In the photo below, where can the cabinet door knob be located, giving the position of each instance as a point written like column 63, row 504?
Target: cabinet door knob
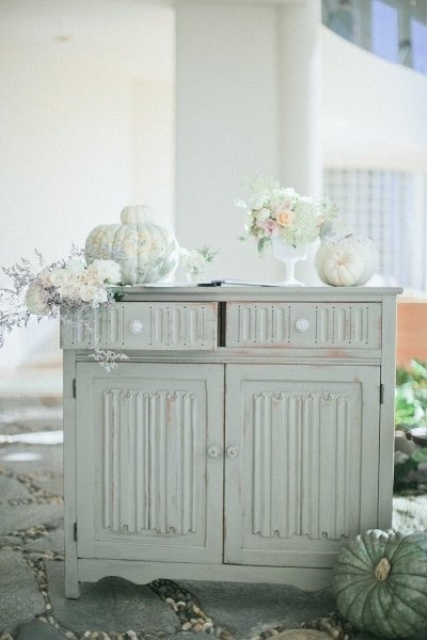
column 302, row 325
column 233, row 451
column 136, row 327
column 214, row 451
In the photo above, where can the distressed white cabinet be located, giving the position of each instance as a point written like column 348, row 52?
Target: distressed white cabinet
column 248, row 436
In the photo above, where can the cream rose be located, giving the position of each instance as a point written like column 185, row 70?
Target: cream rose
column 36, row 299
column 93, row 295
column 285, row 218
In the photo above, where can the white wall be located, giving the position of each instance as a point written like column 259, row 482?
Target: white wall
column 247, row 106
column 227, row 123
column 374, row 112
column 87, row 127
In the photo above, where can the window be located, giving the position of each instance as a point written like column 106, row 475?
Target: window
column 392, row 29
column 390, row 208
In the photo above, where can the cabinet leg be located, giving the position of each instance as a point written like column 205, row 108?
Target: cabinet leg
column 72, row 584
column 72, row 588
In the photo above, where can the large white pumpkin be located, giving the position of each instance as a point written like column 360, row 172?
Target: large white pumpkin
column 147, row 252
column 346, row 262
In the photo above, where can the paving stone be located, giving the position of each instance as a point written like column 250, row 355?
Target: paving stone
column 29, row 419
column 9, row 541
column 364, row 635
column 20, row 599
column 302, row 634
column 247, row 609
column 54, row 483
column 21, row 400
column 24, row 516
column 43, row 459
column 12, row 489
column 53, row 541
column 36, row 630
column 112, row 604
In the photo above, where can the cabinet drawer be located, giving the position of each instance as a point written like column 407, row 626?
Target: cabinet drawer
column 145, row 325
column 304, row 325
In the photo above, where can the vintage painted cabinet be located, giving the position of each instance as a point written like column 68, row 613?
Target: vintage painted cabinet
column 248, row 436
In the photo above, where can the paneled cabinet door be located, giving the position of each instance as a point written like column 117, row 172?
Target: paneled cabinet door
column 150, row 464
column 302, row 465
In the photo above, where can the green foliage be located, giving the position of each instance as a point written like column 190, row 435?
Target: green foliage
column 410, row 471
column 411, row 396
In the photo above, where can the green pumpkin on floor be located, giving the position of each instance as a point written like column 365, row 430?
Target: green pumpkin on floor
column 380, row 582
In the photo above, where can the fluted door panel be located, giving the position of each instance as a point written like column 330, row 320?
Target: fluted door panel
column 299, row 473
column 143, row 439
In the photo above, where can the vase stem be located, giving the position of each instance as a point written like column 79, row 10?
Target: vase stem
column 289, row 256
column 290, row 280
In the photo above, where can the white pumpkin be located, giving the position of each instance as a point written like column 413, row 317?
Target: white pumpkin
column 347, row 262
column 147, row 252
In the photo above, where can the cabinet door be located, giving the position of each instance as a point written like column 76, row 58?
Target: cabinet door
column 301, row 472
column 147, row 488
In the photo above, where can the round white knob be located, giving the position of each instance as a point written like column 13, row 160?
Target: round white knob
column 214, row 451
column 302, row 325
column 136, row 327
column 233, row 451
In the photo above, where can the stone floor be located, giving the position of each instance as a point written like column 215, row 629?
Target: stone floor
column 32, row 601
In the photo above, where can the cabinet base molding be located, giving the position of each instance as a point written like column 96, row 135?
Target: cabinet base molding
column 305, row 578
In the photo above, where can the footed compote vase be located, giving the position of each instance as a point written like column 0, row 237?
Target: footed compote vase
column 289, row 255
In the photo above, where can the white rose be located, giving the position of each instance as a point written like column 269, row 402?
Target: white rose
column 103, row 271
column 68, row 291
column 93, row 295
column 60, row 277
column 258, row 201
column 90, row 277
column 262, row 215
column 36, row 299
column 44, row 278
column 196, row 262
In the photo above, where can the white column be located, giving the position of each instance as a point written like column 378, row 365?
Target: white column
column 299, row 90
column 245, row 73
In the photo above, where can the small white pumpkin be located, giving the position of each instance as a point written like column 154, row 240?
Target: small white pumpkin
column 146, row 252
column 346, row 262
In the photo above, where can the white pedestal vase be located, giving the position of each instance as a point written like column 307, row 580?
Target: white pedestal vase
column 289, row 255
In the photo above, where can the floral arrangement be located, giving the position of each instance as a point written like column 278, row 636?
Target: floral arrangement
column 41, row 290
column 282, row 212
column 195, row 261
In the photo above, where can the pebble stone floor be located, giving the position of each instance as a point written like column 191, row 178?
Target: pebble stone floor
column 32, row 601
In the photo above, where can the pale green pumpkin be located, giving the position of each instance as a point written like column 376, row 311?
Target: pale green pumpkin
column 147, row 252
column 380, row 582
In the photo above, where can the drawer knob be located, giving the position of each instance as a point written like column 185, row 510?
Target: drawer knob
column 136, row 327
column 214, row 451
column 302, row 325
column 233, row 451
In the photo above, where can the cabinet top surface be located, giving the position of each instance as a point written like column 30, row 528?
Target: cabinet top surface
column 203, row 293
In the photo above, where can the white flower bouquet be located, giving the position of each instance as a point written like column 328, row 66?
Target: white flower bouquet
column 282, row 212
column 195, row 261
column 42, row 290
